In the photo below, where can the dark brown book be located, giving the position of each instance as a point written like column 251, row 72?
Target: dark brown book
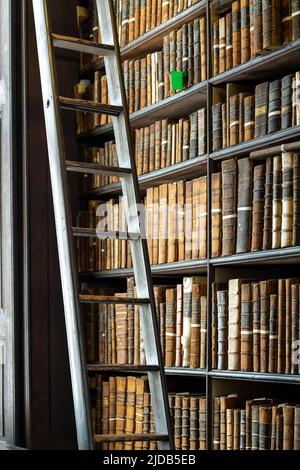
column 194, row 423
column 217, row 143
column 234, row 120
column 257, row 27
column 288, row 324
column 229, row 208
column 271, row 24
column 277, row 202
column 246, row 327
column 281, row 326
column 195, row 328
column 286, row 101
column 288, row 427
column 244, row 205
column 287, row 199
column 258, row 207
column 274, row 113
column 196, row 52
column 202, row 423
column 295, row 14
column 216, row 48
column 222, row 45
column 249, row 123
column 256, row 326
column 261, row 109
column 236, row 33
column 245, row 31
column 273, row 334
column 286, row 20
column 266, row 289
column 265, row 425
column 267, row 230
column 296, row 199
column 170, row 327
column 228, row 20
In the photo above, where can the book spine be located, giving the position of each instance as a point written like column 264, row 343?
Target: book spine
column 245, row 31
column 203, row 331
column 258, row 207
column 286, row 101
column 234, row 321
column 234, row 120
column 265, row 422
column 170, row 327
column 295, row 14
column 228, row 20
column 222, row 45
column 261, row 109
column 246, row 327
column 216, row 214
column 281, row 327
column 273, row 334
column 296, row 199
column 256, row 326
column 249, row 123
column 244, row 209
column 216, row 48
column 229, row 207
column 287, row 200
column 236, row 33
column 267, row 230
column 217, row 143
column 257, row 27
column 286, row 20
column 294, row 324
column 195, row 328
column 222, row 305
column 179, row 321
column 274, row 114
column 194, row 423
column 277, row 202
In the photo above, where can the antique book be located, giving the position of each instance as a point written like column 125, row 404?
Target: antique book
column 217, row 143
column 179, row 322
column 163, row 200
column 181, row 227
column 216, row 423
column 196, row 52
column 245, row 31
column 139, row 406
column 236, row 33
column 244, row 205
column 222, row 319
column 194, row 423
column 202, row 216
column 295, row 14
column 203, row 48
column 271, row 22
column 170, row 327
column 265, row 423
column 194, row 135
column 121, row 331
column 170, row 213
column 257, row 27
column 266, row 289
column 224, row 116
column 287, row 200
column 178, row 422
column 201, row 131
column 277, row 202
column 216, row 214
column 249, row 123
column 286, row 20
column 121, row 385
column 281, row 326
column 297, row 428
column 234, row 321
column 261, row 109
column 203, row 331
column 288, row 324
column 288, row 427
column 112, row 408
column 130, row 321
column 242, row 429
column 256, row 325
column 267, row 228
column 286, row 101
column 273, row 334
column 294, row 323
column 274, row 112
column 222, row 45
column 228, row 20
column 188, row 220
column 130, row 410
column 229, row 207
column 296, row 199
column 258, row 207
column 185, row 423
column 216, row 47
column 146, row 418
column 234, row 120
column 195, row 328
column 202, row 423
column 246, row 327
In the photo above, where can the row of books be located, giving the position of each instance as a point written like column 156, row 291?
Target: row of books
column 255, row 424
column 113, row 333
column 255, row 326
column 122, row 405
column 174, row 216
column 106, row 155
column 244, row 115
column 250, row 28
column 256, row 207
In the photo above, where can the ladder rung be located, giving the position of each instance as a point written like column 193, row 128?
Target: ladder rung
column 111, row 299
column 119, row 368
column 81, row 45
column 103, row 235
column 130, row 437
column 89, row 106
column 95, row 168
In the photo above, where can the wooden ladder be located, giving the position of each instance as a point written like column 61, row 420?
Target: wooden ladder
column 59, row 166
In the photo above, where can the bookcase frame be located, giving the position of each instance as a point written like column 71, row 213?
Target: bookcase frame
column 178, row 105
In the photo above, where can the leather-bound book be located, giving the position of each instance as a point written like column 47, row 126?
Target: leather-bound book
column 139, row 409
column 121, row 331
column 138, row 153
column 216, row 47
column 257, row 27
column 236, row 33
column 258, row 207
column 159, row 14
column 297, row 428
column 256, row 326
column 216, row 214
column 137, row 17
column 246, row 327
column 214, row 327
column 287, row 200
column 241, row 115
column 296, row 199
column 279, row 428
column 143, row 92
column 194, row 135
column 203, row 331
column 131, row 97
column 155, row 225
column 181, row 219
column 143, row 17
column 136, row 358
column 179, row 322
column 224, row 115
column 178, row 422
column 244, row 209
column 234, row 120
column 112, row 409
column 288, row 324
column 152, row 148
column 185, row 426
column 190, row 77
column 165, row 11
column 286, row 101
column 121, row 384
column 146, row 419
column 96, row 98
column 185, row 52
column 130, row 410
column 163, row 224
column 265, row 424
column 281, row 326
column 202, row 423
column 170, row 327
column 179, row 49
column 222, row 45
column 249, row 123
column 229, row 429
column 162, row 328
column 234, row 324
column 271, row 24
column 288, row 427
column 273, row 334
column 286, row 20
column 171, row 248
column 203, row 48
column 295, row 14
column 166, row 56
column 137, row 85
column 194, row 423
column 245, row 31
column 149, row 217
column 149, row 82
column 160, row 77
column 261, row 109
column 188, row 219
column 266, row 289
column 164, row 143
column 273, row 428
column 124, row 24
column 242, row 430
column 267, row 230
column 274, row 115
column 229, row 215
column 98, row 417
column 228, row 20
column 196, row 52
column 294, row 323
column 186, row 139
column 217, row 143
column 105, row 412
column 236, row 429
column 201, row 131
column 216, row 423
column 146, row 150
column 202, row 216
column 130, row 319
column 195, row 328
column 222, row 305
column 277, row 202
column 90, row 312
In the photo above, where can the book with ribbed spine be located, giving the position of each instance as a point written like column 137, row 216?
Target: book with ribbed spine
column 258, row 207
column 244, row 205
column 229, row 215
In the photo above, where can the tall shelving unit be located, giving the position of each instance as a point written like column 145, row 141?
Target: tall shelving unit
column 252, row 265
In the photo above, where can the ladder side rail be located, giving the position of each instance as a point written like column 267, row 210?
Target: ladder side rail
column 63, row 224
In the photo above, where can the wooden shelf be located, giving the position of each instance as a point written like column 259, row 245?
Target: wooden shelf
column 168, row 269
column 152, row 40
column 280, row 137
column 179, row 105
column 254, row 376
column 290, row 255
column 283, row 60
column 193, row 167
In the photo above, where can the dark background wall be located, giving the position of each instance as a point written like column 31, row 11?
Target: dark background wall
column 48, row 401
